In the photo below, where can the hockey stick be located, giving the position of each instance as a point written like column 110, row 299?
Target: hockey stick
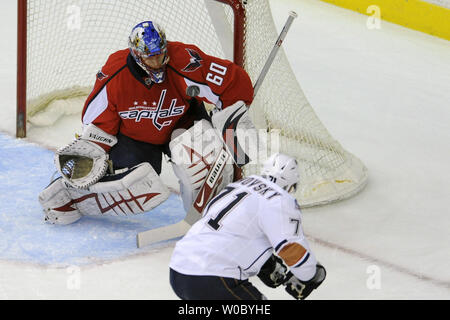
column 208, row 188
column 179, row 229
column 273, row 53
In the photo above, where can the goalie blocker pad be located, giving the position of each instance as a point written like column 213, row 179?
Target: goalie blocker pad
column 238, row 133
column 193, row 152
column 135, row 191
column 84, row 161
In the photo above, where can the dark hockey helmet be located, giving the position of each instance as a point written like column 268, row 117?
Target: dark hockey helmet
column 148, row 46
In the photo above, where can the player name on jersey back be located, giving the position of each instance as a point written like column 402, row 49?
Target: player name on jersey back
column 260, row 186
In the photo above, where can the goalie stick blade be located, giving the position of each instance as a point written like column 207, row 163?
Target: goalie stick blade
column 172, row 231
column 152, row 236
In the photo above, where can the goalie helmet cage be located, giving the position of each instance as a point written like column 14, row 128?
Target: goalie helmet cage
column 62, row 45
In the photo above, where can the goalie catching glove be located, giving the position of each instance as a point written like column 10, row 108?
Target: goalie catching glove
column 84, row 161
column 301, row 289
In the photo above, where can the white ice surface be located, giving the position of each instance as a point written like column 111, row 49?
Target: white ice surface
column 385, row 95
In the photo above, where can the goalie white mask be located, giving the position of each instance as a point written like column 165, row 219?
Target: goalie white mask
column 282, row 170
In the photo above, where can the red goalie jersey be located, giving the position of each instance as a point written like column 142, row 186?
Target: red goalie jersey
column 125, row 100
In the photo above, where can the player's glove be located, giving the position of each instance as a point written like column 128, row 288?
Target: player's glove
column 273, row 273
column 301, row 289
column 83, row 162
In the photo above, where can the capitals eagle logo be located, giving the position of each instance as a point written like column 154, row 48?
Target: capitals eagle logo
column 195, row 62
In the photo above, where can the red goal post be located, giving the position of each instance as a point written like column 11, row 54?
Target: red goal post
column 21, row 114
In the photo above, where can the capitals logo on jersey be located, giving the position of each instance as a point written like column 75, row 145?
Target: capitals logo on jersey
column 195, row 62
column 157, row 114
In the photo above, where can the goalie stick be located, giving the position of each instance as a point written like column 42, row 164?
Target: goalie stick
column 179, row 229
column 211, row 182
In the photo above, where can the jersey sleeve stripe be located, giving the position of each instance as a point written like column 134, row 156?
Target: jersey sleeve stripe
column 305, row 258
column 205, row 92
column 280, row 245
column 96, row 107
column 98, row 102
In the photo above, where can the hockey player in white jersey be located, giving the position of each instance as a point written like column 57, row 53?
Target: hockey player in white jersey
column 253, row 227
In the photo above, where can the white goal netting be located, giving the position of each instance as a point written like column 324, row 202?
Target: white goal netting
column 69, row 41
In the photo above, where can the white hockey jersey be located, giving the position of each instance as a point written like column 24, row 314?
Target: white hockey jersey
column 240, row 229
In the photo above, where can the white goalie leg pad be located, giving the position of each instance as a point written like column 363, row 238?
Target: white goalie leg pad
column 135, row 191
column 57, row 203
column 192, row 154
column 138, row 190
column 83, row 162
column 239, row 133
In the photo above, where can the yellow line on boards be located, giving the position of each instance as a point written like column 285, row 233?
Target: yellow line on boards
column 414, row 14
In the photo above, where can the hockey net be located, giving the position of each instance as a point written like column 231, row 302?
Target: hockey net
column 67, row 43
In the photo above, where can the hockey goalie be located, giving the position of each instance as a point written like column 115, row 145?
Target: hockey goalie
column 148, row 100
